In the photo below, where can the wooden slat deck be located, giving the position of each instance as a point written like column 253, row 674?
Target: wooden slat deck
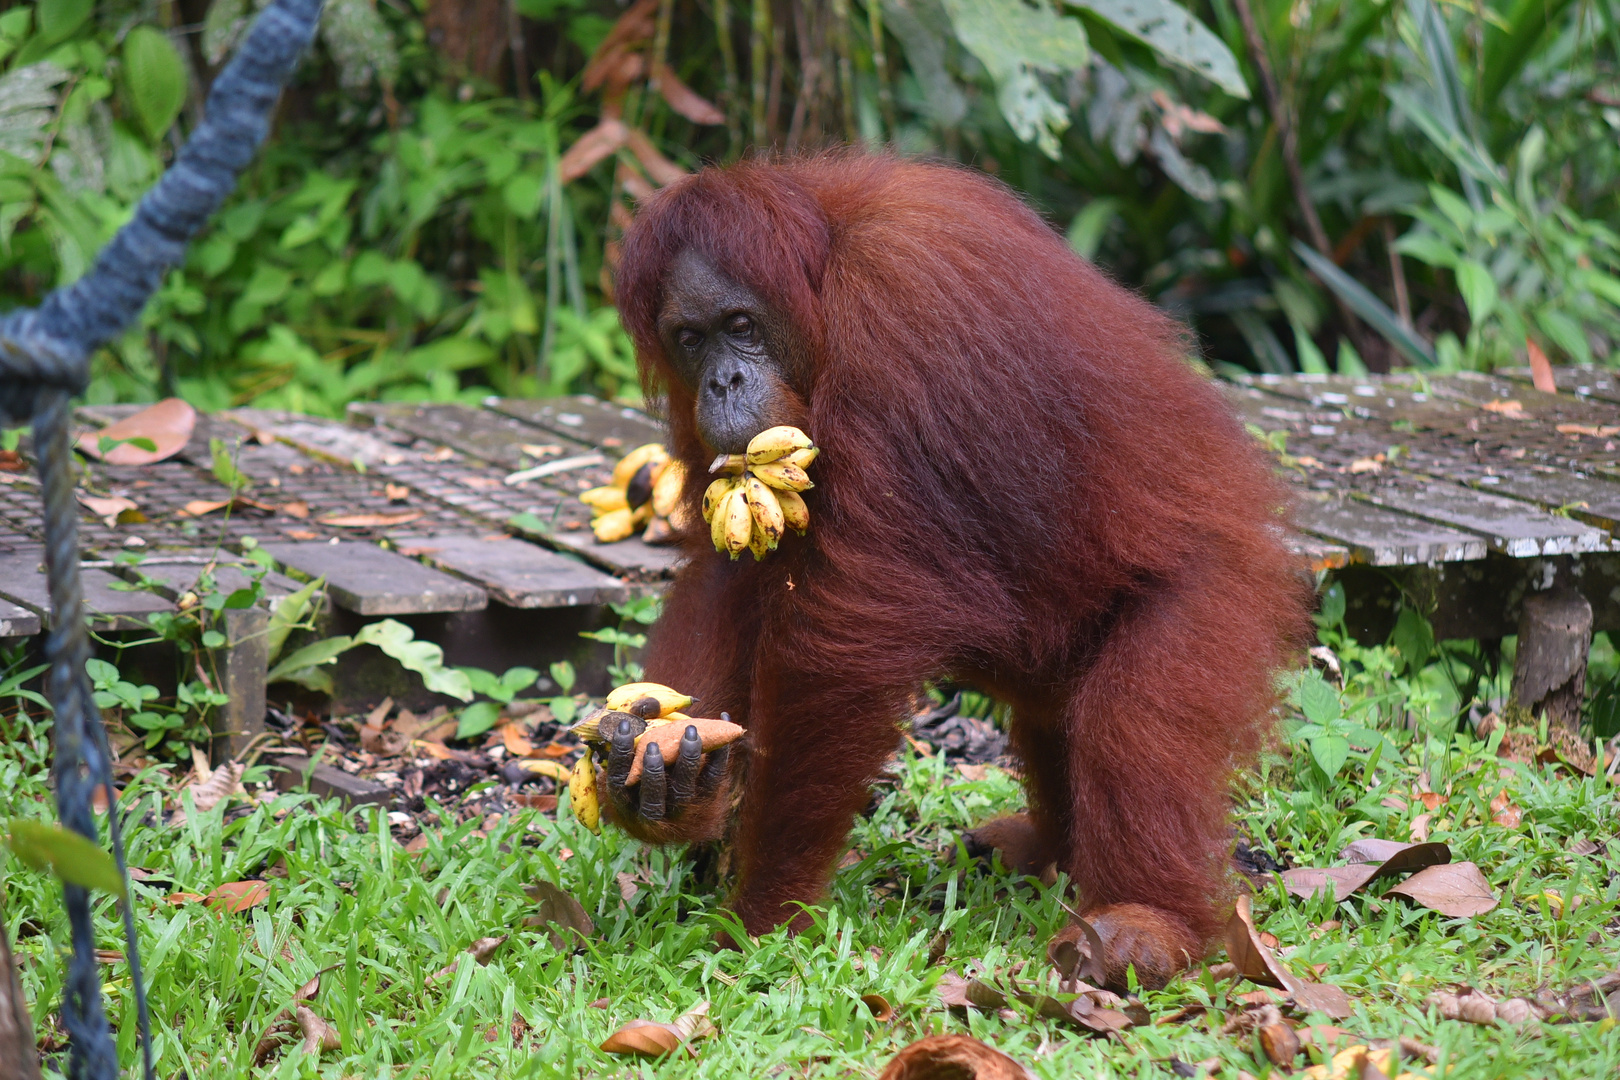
column 1404, row 471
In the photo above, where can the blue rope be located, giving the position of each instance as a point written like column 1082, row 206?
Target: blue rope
column 44, row 361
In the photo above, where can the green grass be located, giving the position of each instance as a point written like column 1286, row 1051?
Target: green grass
column 379, row 921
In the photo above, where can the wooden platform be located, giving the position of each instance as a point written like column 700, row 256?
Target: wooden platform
column 1461, row 492
column 1465, row 491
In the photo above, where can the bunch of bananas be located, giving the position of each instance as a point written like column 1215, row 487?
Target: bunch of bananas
column 756, row 499
column 655, row 709
column 646, row 491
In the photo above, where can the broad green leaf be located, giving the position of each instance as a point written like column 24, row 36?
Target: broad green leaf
column 1087, row 229
column 1330, row 753
column 1566, row 333
column 289, row 612
column 156, row 78
column 1413, row 638
column 59, row 18
column 1478, row 289
column 423, row 657
column 66, row 854
column 1427, row 248
column 314, row 654
column 1310, row 357
column 1317, row 700
column 1015, row 41
column 1369, row 307
column 478, row 718
column 1172, row 32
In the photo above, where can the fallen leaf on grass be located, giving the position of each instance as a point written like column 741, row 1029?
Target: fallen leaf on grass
column 1076, row 951
column 1474, row 1007
column 1257, row 963
column 1504, row 813
column 650, row 1039
column 1091, row 1007
column 221, row 783
column 1371, row 859
column 511, row 736
column 559, row 911
column 953, row 1057
column 235, row 896
column 1280, row 1044
column 482, row 950
column 168, row 425
column 879, row 1006
column 318, row 1034
column 627, row 886
column 1455, row 889
column 370, row 521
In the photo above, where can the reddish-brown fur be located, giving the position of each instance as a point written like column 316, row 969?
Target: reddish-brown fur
column 1022, row 485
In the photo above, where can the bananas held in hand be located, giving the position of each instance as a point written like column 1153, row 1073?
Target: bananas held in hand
column 756, row 496
column 582, row 797
column 646, row 491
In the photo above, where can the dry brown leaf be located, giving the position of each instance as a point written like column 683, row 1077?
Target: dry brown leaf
column 1258, row 963
column 1541, row 372
column 953, row 1057
column 297, row 508
column 561, row 912
column 1455, row 889
column 220, row 784
column 879, row 1007
column 178, row 898
column 1596, row 432
column 235, row 896
column 1356, row 1063
column 168, row 424
column 533, row 800
column 1431, row 800
column 396, row 492
column 1504, row 813
column 1280, row 1044
column 1076, row 951
column 512, row 738
column 1419, row 829
column 481, row 950
column 598, row 143
column 318, row 1034
column 683, row 99
column 370, row 521
column 627, row 885
column 1307, row 881
column 1372, row 858
column 1510, row 407
column 106, row 507
column 660, row 168
column 649, row 1039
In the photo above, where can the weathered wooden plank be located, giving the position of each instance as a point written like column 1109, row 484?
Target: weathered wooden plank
column 1380, row 537
column 243, row 664
column 370, row 580
column 1593, row 500
column 177, row 574
column 1318, row 554
column 1507, row 525
column 616, row 428
column 1599, row 384
column 328, row 440
column 479, row 433
column 17, row 621
column 632, row 558
column 290, row 771
column 22, row 581
column 519, row 574
column 1500, row 394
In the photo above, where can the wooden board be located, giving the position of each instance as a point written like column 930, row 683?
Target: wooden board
column 328, row 440
column 640, row 561
column 1507, row 525
column 370, row 580
column 1379, row 537
column 1600, row 384
column 22, row 581
column 615, row 428
column 517, row 573
column 479, row 433
column 17, row 621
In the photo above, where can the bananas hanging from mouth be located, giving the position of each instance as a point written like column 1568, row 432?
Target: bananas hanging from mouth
column 646, row 491
column 756, row 498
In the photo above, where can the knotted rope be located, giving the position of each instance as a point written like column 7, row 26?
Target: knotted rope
column 45, row 361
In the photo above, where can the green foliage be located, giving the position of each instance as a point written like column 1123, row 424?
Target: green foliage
column 64, row 853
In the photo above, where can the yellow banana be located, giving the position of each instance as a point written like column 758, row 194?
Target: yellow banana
column 719, row 517
column 775, row 442
column 714, row 493
column 582, row 793
column 802, row 458
column 766, row 510
column 669, row 700
column 728, row 464
column 614, row 525
column 783, row 476
column 667, row 488
column 738, row 519
column 759, row 542
column 632, row 462
column 795, row 514
column 604, row 499
column 641, row 514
